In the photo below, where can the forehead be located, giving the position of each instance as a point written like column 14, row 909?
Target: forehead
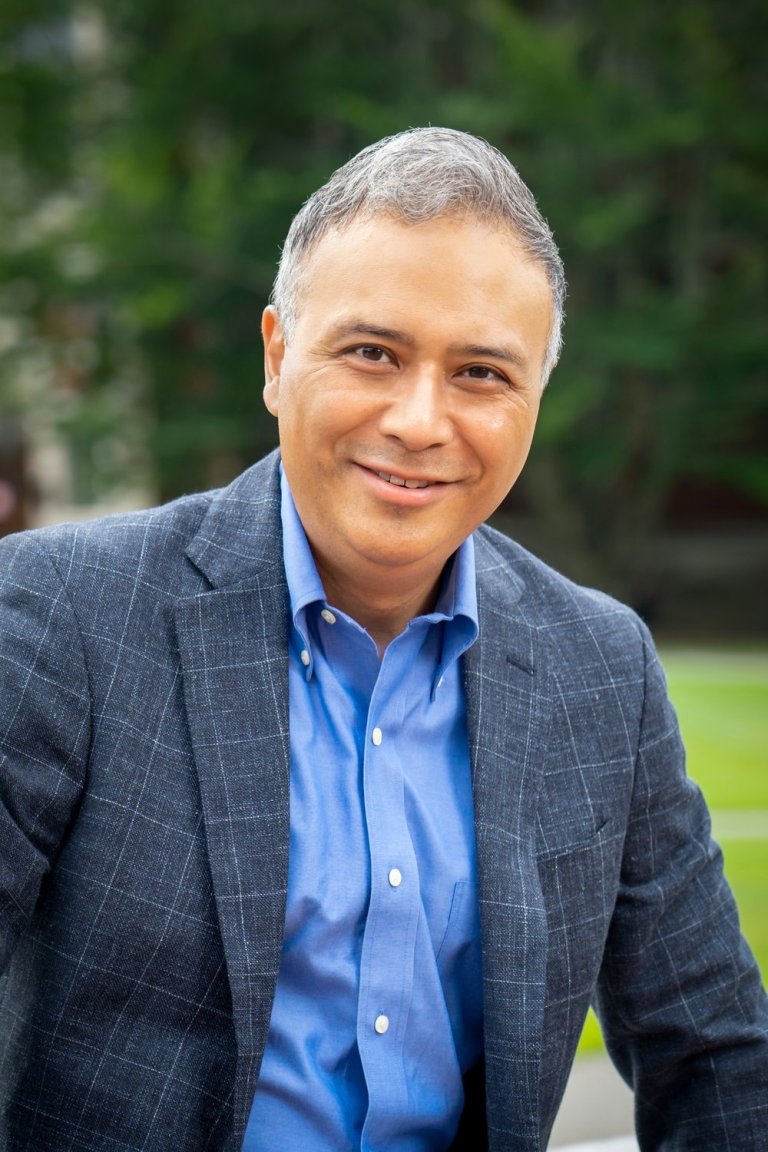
column 449, row 271
column 371, row 231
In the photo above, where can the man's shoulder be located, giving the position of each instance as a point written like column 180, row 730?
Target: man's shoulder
column 514, row 582
column 154, row 541
column 114, row 541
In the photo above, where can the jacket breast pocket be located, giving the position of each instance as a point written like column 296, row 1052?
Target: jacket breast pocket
column 569, row 839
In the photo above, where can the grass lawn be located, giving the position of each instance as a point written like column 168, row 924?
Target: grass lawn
column 722, row 703
column 721, row 699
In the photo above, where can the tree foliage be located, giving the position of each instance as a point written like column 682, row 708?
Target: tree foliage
column 152, row 156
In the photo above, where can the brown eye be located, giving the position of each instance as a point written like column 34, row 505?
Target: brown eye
column 481, row 372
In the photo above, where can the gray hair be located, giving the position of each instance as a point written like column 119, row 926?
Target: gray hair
column 417, row 176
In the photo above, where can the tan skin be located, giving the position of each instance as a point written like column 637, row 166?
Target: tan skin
column 406, row 400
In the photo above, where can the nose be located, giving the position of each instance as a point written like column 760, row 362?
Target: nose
column 417, row 412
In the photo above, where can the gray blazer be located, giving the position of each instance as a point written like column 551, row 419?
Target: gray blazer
column 144, row 785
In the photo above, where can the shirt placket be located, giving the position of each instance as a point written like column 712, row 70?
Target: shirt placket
column 387, row 959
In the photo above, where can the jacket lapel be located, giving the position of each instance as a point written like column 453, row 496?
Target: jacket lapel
column 506, row 681
column 233, row 645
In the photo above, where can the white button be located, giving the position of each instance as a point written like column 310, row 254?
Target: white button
column 328, row 616
column 376, row 736
column 381, row 1023
column 395, row 877
column 440, row 682
column 305, row 657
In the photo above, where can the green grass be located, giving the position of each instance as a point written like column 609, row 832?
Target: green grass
column 746, row 867
column 722, row 704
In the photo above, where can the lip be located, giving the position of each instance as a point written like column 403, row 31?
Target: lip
column 409, row 489
column 421, row 479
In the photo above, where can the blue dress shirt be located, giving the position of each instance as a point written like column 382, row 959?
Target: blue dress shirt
column 378, row 1008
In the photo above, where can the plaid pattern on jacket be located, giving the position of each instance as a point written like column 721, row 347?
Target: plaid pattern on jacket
column 144, row 786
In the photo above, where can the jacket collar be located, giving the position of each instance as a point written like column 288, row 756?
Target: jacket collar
column 239, row 539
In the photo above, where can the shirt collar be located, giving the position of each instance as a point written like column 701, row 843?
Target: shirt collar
column 456, row 601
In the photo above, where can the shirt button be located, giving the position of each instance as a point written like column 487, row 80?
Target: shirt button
column 328, row 616
column 376, row 736
column 381, row 1024
column 395, row 877
column 305, row 657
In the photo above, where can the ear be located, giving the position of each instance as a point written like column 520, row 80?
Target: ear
column 274, row 351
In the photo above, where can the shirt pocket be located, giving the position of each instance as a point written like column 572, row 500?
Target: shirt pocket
column 459, row 967
column 462, row 929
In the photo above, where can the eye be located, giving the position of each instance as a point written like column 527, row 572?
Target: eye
column 371, row 354
column 484, row 373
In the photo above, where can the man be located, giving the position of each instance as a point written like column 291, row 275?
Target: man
column 326, row 812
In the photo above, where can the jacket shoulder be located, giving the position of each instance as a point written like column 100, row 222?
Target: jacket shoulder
column 153, row 546
column 128, row 543
column 512, row 578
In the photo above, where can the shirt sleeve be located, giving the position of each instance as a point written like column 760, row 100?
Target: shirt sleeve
column 680, row 999
column 44, row 726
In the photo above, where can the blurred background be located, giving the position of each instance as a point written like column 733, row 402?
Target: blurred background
column 152, row 155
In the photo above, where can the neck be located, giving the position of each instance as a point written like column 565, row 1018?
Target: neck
column 383, row 605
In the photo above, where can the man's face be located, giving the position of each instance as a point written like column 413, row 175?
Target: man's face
column 408, row 393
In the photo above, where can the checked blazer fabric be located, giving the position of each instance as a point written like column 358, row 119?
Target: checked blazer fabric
column 144, row 830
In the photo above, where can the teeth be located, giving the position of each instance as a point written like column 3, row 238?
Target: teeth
column 402, row 483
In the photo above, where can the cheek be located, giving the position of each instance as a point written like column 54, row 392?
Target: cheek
column 502, row 451
column 324, row 414
column 310, row 428
column 502, row 442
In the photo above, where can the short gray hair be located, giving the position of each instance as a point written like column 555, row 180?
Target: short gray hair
column 416, row 176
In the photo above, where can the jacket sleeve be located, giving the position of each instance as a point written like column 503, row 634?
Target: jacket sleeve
column 44, row 726
column 680, row 999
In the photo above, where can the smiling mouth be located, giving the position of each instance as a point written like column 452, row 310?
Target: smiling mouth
column 402, row 483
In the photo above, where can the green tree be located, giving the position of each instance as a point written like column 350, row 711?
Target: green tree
column 155, row 154
column 649, row 157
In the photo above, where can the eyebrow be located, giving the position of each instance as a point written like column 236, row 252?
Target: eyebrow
column 473, row 351
column 491, row 352
column 361, row 328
